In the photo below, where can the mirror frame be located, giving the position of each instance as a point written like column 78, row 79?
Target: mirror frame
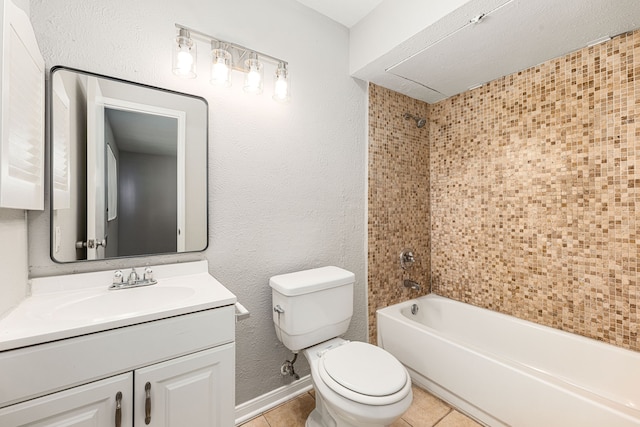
column 49, row 151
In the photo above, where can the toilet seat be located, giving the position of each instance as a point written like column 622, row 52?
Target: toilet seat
column 364, row 373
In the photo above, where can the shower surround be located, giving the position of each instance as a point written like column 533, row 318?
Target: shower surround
column 398, row 199
column 532, row 193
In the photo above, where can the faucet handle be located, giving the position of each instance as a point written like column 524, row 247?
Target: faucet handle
column 148, row 273
column 407, row 259
column 117, row 277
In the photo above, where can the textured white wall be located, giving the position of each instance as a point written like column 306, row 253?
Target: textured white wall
column 286, row 183
column 13, row 258
column 13, row 247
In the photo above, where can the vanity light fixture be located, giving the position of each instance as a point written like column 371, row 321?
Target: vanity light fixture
column 184, row 55
column 282, row 85
column 253, row 79
column 227, row 56
column 220, row 65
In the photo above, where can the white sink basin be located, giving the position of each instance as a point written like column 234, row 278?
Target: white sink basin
column 64, row 306
column 119, row 303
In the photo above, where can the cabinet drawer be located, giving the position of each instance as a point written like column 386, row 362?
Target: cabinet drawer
column 37, row 370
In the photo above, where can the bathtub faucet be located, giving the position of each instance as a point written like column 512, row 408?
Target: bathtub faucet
column 411, row 284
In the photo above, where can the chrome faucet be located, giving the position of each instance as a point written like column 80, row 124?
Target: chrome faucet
column 133, row 280
column 413, row 285
column 133, row 277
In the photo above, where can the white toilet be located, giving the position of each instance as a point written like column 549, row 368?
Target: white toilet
column 357, row 384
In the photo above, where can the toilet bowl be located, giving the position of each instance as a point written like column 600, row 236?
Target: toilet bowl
column 357, row 384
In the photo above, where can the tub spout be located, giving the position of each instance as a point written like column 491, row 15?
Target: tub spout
column 411, row 284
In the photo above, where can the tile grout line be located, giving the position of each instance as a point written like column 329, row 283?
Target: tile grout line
column 443, row 417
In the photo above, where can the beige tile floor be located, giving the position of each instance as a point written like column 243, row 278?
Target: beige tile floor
column 426, row 410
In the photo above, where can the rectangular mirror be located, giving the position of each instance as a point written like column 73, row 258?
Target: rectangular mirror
column 128, row 168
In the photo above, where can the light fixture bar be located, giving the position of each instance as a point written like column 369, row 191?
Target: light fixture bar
column 226, row 56
column 240, row 53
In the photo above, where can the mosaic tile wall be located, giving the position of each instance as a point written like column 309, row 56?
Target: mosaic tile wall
column 533, row 193
column 398, row 199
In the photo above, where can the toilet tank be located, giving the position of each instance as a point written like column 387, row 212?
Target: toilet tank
column 311, row 306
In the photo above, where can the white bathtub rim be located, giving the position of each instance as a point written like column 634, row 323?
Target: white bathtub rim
column 541, row 328
column 537, row 326
column 624, row 409
column 550, row 380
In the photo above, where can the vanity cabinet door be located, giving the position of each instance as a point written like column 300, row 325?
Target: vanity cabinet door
column 22, row 96
column 197, row 390
column 97, row 404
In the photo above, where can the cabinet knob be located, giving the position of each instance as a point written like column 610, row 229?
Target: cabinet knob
column 118, row 409
column 147, row 403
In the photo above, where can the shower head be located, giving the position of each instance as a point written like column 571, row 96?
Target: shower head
column 420, row 122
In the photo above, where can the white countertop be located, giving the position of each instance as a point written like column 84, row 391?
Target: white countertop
column 67, row 306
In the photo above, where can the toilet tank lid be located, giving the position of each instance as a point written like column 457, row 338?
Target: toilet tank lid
column 307, row 281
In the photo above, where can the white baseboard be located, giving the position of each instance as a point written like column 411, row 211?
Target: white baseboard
column 254, row 407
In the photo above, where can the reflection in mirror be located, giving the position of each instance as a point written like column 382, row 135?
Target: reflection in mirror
column 128, row 168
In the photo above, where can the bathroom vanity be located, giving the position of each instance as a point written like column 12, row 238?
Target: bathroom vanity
column 161, row 355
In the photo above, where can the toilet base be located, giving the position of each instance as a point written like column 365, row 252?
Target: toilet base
column 321, row 416
column 314, row 420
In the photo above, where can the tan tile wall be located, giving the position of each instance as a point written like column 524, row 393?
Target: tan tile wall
column 533, row 192
column 398, row 198
column 530, row 197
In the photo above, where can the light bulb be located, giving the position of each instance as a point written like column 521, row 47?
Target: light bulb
column 184, row 55
column 281, row 88
column 185, row 62
column 219, row 72
column 253, row 79
column 220, row 66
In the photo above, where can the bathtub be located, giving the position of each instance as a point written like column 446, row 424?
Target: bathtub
column 504, row 371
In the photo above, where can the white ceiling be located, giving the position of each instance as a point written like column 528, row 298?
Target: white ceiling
column 143, row 133
column 453, row 54
column 346, row 12
column 514, row 36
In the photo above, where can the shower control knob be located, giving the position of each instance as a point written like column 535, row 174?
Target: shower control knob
column 407, row 259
